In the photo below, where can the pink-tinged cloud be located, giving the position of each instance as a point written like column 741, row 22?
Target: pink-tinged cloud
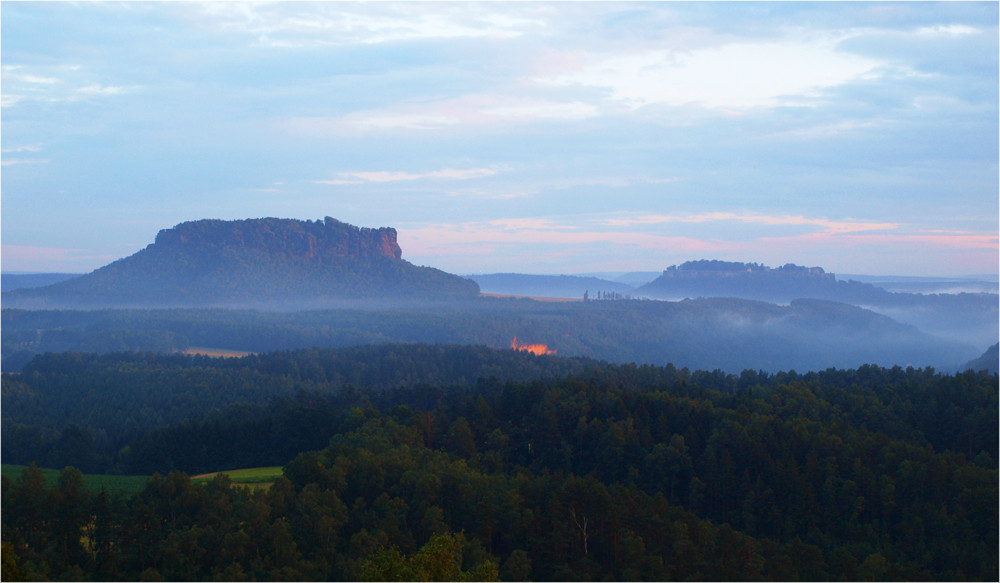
column 553, row 63
column 28, row 258
column 533, row 239
column 939, row 241
column 829, row 226
column 480, row 238
column 833, row 234
column 523, row 224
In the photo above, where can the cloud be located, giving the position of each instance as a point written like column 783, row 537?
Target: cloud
column 384, row 176
column 528, row 230
column 954, row 241
column 19, row 149
column 948, row 30
column 96, row 89
column 466, row 111
column 548, row 186
column 60, row 84
column 291, row 25
column 543, row 230
column 827, row 226
column 839, row 128
column 414, row 101
column 12, row 74
column 479, row 109
column 734, row 75
column 8, row 161
column 17, row 161
column 392, row 120
column 533, row 224
column 542, row 244
column 541, row 109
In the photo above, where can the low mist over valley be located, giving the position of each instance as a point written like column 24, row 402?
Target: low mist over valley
column 268, row 284
column 965, row 316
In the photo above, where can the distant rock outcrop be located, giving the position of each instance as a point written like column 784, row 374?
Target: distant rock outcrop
column 270, row 260
column 755, row 281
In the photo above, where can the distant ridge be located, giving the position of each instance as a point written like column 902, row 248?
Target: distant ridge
column 267, row 260
column 753, row 281
column 969, row 317
column 989, row 361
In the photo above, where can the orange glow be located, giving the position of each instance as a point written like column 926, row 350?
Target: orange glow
column 532, row 348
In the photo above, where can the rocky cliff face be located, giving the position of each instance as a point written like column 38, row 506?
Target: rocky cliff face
column 329, row 238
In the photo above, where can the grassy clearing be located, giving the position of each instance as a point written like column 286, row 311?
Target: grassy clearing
column 253, row 477
column 129, row 485
column 124, row 485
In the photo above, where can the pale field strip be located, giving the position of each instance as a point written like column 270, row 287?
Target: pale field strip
column 536, row 298
column 215, row 352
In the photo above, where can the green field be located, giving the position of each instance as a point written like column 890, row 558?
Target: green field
column 254, row 477
column 128, row 485
column 125, row 485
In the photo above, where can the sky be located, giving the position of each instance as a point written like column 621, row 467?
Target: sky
column 526, row 137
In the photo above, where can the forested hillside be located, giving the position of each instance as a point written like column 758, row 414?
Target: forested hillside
column 82, row 409
column 419, row 462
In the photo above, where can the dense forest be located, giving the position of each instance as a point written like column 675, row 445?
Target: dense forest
column 413, row 462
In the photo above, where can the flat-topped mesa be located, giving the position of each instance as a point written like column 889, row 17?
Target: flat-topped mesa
column 714, row 268
column 265, row 261
column 301, row 239
column 712, row 278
